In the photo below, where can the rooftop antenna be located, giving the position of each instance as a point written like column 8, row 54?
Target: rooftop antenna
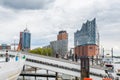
column 26, row 29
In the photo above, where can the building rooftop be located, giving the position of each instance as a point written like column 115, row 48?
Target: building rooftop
column 62, row 32
column 88, row 34
column 26, row 30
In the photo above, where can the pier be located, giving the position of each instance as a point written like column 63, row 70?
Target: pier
column 57, row 65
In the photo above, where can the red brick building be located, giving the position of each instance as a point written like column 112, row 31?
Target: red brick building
column 63, row 35
column 87, row 50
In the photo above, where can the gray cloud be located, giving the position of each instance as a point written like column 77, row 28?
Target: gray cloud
column 63, row 15
column 26, row 4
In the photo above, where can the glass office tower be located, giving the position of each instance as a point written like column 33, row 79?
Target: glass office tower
column 25, row 40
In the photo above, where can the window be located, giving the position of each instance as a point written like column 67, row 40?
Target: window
column 90, row 48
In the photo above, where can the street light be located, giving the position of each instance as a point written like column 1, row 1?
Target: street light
column 14, row 44
column 15, row 38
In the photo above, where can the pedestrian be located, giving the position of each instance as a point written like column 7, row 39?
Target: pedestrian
column 7, row 56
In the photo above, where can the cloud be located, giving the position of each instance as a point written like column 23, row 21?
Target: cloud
column 26, row 4
column 44, row 24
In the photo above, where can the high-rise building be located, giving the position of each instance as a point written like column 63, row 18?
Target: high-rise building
column 86, row 40
column 60, row 46
column 62, row 35
column 25, row 40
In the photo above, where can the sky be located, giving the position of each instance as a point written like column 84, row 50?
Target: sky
column 45, row 18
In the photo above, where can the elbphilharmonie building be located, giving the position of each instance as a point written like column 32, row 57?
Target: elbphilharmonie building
column 87, row 38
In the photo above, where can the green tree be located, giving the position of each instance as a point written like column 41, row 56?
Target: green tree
column 42, row 51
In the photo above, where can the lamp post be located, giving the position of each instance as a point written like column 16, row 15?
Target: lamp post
column 15, row 38
column 112, row 52
column 14, row 44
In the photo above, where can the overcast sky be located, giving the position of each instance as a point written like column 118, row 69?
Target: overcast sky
column 45, row 18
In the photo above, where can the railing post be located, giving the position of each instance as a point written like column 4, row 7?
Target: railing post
column 35, row 73
column 76, row 78
column 84, row 67
column 57, row 56
column 23, row 71
column 56, row 76
column 47, row 74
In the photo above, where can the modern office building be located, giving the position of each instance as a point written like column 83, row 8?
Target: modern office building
column 60, row 46
column 25, row 40
column 86, row 40
column 53, row 46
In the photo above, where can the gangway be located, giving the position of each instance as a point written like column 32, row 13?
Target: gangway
column 56, row 64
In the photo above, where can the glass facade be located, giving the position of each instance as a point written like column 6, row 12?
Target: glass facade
column 87, row 35
column 59, row 47
column 26, row 40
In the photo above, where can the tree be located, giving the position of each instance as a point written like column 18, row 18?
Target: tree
column 42, row 51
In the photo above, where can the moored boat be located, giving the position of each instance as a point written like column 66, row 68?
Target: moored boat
column 11, row 68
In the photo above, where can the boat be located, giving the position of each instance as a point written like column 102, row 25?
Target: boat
column 112, row 68
column 11, row 67
column 117, row 66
